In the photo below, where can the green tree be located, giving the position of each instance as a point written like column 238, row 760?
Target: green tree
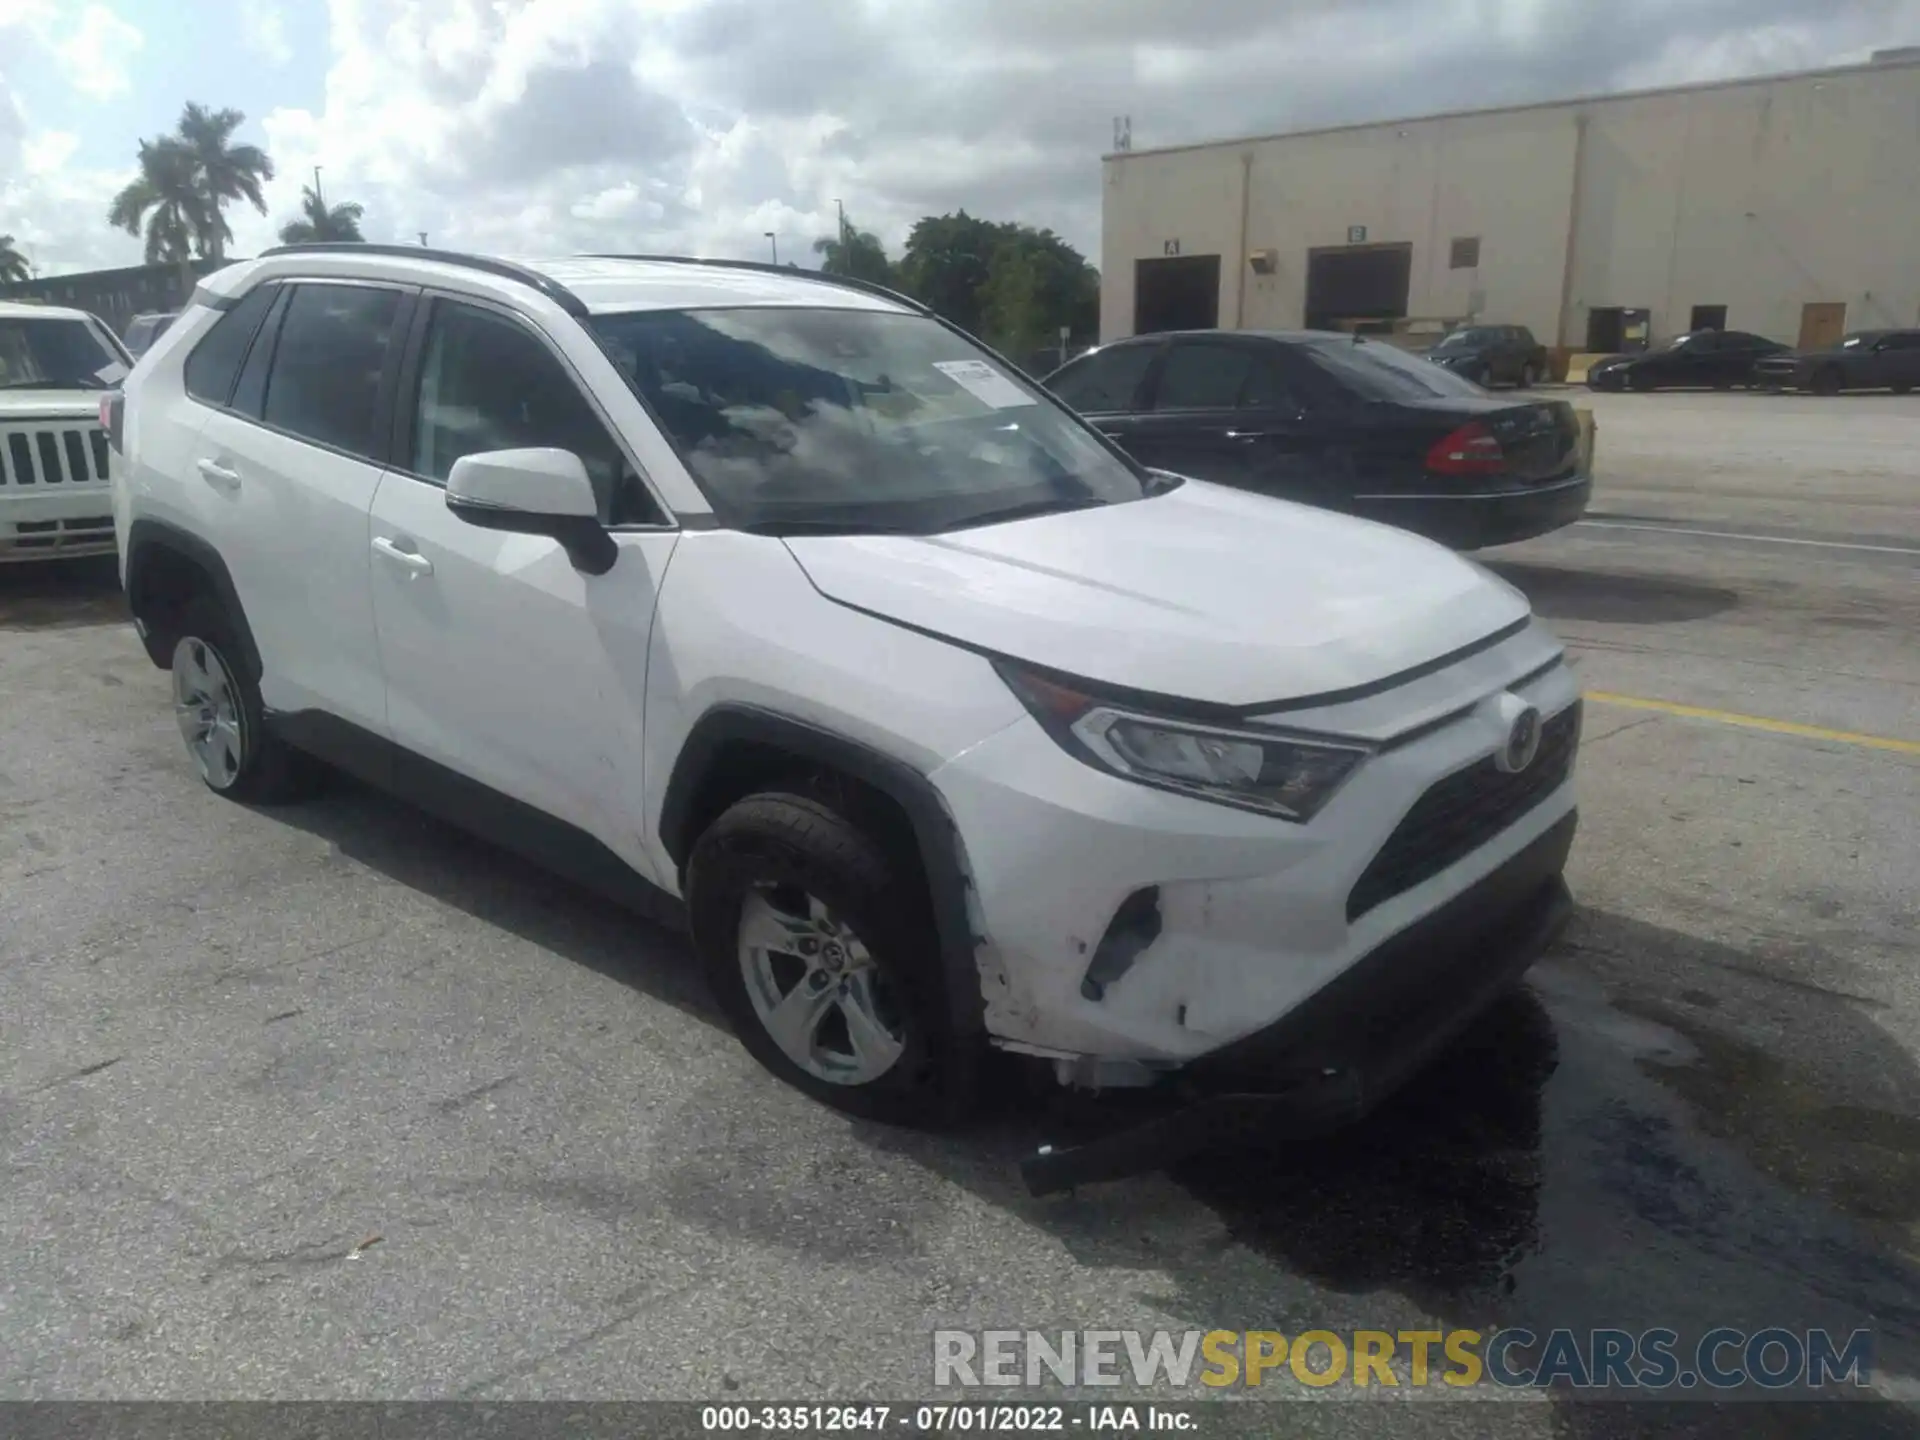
column 1037, row 285
column 320, row 222
column 225, row 172
column 13, row 264
column 946, row 263
column 165, row 198
column 857, row 254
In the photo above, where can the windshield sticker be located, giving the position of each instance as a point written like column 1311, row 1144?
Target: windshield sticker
column 986, row 384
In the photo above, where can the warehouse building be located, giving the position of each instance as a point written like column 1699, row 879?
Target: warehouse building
column 1786, row 205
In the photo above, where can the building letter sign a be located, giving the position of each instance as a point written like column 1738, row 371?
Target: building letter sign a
column 1356, row 234
column 1170, row 247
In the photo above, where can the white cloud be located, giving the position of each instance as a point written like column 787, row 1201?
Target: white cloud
column 531, row 126
column 98, row 52
column 47, row 151
column 263, row 30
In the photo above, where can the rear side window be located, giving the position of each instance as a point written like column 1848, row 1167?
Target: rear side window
column 328, row 364
column 215, row 362
column 1203, row 377
column 1103, row 382
column 487, row 384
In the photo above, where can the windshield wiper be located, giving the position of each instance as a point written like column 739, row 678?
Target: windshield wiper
column 1055, row 506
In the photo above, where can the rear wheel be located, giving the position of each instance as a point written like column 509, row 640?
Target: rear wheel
column 826, row 960
column 220, row 717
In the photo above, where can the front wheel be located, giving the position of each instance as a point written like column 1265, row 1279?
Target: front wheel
column 1826, row 382
column 826, row 960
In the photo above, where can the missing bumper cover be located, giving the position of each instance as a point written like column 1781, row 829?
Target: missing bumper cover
column 1135, row 926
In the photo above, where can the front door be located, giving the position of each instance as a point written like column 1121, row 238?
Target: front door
column 287, row 472
column 1822, row 323
column 506, row 664
column 1222, row 410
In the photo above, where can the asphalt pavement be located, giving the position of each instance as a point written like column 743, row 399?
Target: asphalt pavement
column 333, row 1102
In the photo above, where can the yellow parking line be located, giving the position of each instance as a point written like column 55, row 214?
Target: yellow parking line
column 1757, row 722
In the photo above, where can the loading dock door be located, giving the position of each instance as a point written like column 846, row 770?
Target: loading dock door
column 1357, row 282
column 1181, row 293
column 1822, row 323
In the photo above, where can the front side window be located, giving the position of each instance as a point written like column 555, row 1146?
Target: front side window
column 1203, row 377
column 804, row 419
column 328, row 364
column 1473, row 338
column 487, row 384
column 1104, row 383
column 56, row 353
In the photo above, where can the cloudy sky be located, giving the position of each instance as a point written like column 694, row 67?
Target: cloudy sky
column 540, row 126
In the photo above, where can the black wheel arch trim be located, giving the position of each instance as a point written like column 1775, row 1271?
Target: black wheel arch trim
column 941, row 853
column 145, row 538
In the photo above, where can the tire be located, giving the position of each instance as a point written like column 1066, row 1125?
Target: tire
column 1642, row 383
column 1529, row 375
column 1825, row 382
column 210, row 685
column 778, row 862
column 1903, row 389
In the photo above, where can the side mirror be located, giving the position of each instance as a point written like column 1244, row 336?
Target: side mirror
column 534, row 492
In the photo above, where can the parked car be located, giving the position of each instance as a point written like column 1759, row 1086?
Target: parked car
column 143, row 330
column 1864, row 360
column 55, row 364
column 1493, row 355
column 774, row 604
column 1341, row 422
column 1720, row 359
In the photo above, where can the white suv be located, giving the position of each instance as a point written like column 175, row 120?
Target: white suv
column 778, row 604
column 55, row 365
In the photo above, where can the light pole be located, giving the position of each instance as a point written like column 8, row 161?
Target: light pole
column 423, row 237
column 774, row 241
column 318, row 199
column 842, row 210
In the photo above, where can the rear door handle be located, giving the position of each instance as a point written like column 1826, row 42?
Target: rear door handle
column 223, row 476
column 412, row 561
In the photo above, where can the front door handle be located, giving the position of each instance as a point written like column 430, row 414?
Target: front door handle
column 223, row 476
column 412, row 561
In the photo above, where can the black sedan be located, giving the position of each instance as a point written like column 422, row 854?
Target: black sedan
column 1493, row 355
column 1703, row 359
column 1864, row 360
column 1339, row 422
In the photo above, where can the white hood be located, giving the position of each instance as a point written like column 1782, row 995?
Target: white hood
column 49, row 404
column 1204, row 593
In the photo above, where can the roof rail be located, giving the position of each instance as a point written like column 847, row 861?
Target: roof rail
column 846, row 282
column 505, row 269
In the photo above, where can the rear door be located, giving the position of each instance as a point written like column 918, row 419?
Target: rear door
column 286, row 470
column 1899, row 360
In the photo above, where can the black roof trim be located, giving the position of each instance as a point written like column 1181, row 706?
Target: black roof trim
column 505, row 269
column 846, row 282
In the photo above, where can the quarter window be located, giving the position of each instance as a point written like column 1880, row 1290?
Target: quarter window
column 328, row 364
column 488, row 384
column 215, row 362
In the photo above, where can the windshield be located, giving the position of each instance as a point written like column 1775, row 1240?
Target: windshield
column 1384, row 372
column 56, row 354
column 822, row 420
column 1465, row 339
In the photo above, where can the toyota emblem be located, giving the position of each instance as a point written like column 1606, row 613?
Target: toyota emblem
column 1523, row 742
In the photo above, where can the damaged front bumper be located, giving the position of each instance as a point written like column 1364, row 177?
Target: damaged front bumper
column 1330, row 1060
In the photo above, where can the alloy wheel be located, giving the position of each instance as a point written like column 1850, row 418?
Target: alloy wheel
column 816, row 988
column 206, row 704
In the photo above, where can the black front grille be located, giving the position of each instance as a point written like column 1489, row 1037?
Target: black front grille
column 1464, row 811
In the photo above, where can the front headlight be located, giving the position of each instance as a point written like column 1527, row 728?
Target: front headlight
column 1287, row 776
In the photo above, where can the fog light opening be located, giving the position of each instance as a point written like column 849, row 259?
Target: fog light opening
column 1135, row 926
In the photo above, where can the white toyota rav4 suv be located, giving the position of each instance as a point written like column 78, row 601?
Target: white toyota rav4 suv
column 777, row 604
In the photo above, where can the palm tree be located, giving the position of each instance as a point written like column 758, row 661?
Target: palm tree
column 13, row 264
column 322, row 222
column 167, row 198
column 226, row 171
